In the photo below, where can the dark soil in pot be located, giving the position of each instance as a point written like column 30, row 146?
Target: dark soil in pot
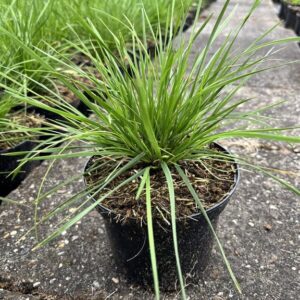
column 126, row 227
column 16, row 143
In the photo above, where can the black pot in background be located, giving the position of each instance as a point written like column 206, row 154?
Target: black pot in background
column 9, row 163
column 283, row 10
column 84, row 109
column 189, row 21
column 297, row 26
column 129, row 244
column 290, row 19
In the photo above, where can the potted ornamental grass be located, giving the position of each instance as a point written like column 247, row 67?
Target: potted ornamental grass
column 113, row 13
column 31, row 25
column 290, row 12
column 156, row 170
column 37, row 27
column 14, row 139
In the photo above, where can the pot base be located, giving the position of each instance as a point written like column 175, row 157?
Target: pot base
column 131, row 251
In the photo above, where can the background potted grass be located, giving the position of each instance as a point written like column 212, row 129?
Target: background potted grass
column 192, row 13
column 292, row 9
column 15, row 139
column 31, row 25
column 36, row 26
column 149, row 135
column 290, row 13
column 293, row 16
column 45, row 25
column 109, row 16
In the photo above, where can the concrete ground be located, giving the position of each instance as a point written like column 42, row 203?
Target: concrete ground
column 259, row 228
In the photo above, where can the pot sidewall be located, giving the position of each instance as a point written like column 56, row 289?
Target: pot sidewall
column 9, row 163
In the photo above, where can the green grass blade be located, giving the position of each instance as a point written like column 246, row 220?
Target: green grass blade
column 151, row 234
column 173, row 219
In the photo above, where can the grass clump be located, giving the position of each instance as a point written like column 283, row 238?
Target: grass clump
column 35, row 26
column 109, row 17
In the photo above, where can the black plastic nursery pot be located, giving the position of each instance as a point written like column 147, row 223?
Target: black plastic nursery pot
column 283, row 10
column 290, row 19
column 9, row 163
column 129, row 243
column 297, row 26
column 189, row 21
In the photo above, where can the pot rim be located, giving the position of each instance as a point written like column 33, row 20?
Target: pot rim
column 211, row 209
